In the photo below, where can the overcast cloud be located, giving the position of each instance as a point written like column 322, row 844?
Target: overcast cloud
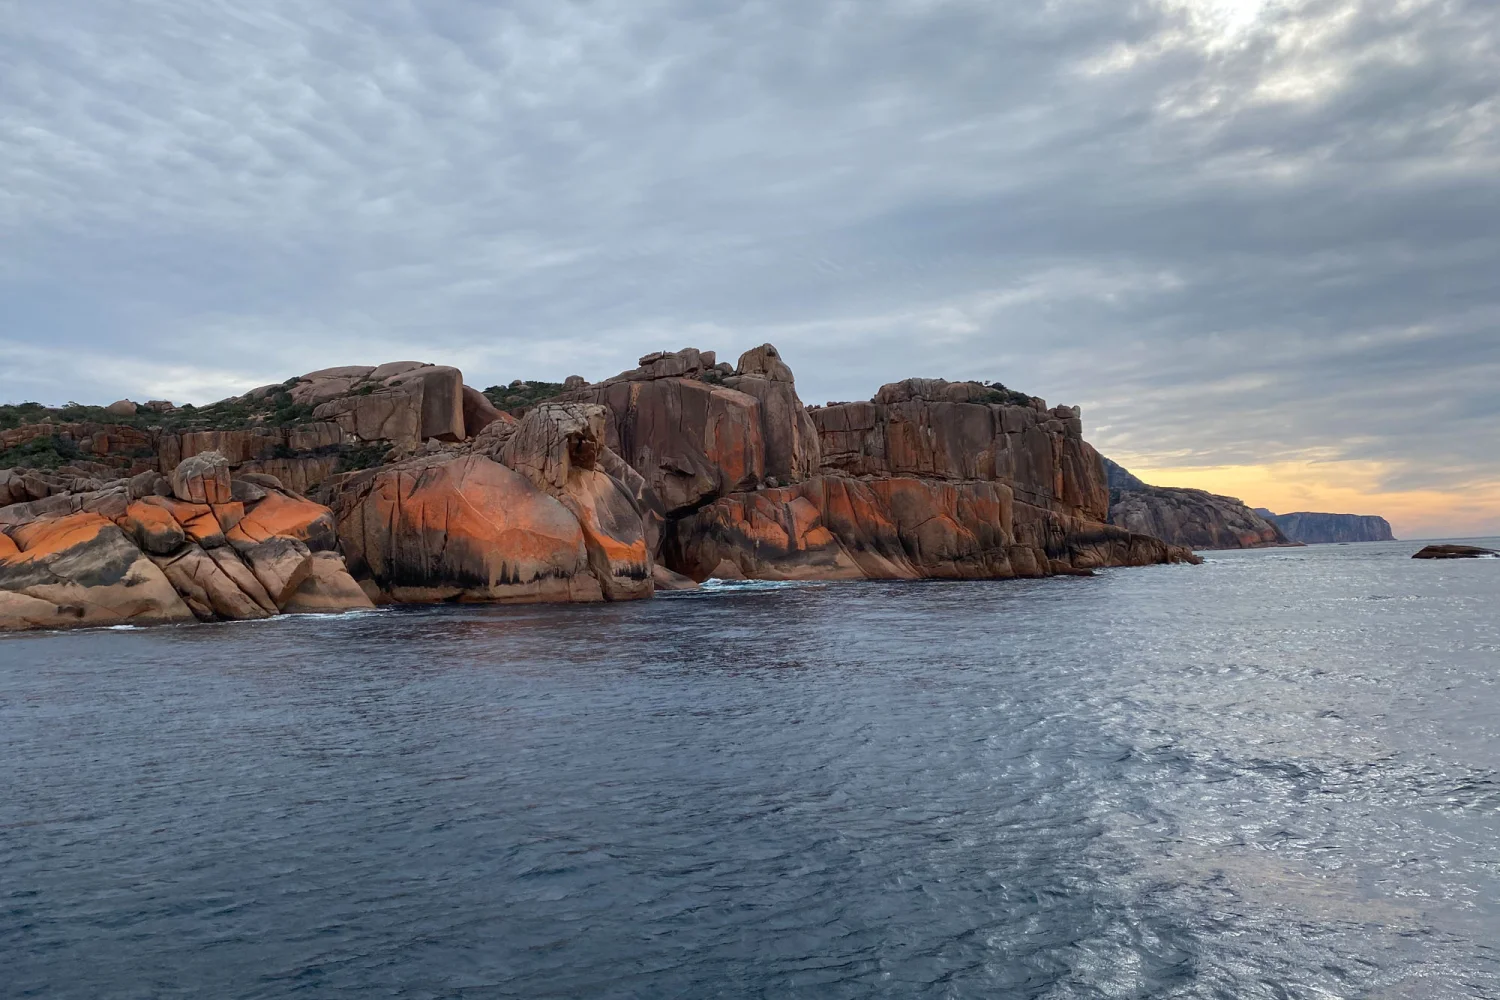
column 1236, row 232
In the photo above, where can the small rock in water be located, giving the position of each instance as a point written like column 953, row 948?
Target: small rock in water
column 1454, row 552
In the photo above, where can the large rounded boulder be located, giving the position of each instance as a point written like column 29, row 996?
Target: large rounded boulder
column 465, row 529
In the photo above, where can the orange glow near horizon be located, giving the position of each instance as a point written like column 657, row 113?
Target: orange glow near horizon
column 1472, row 511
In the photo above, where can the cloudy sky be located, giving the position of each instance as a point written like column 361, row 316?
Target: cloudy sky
column 1257, row 240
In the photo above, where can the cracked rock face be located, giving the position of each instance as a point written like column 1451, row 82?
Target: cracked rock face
column 553, row 440
column 962, row 431
column 80, row 569
column 110, row 556
column 896, row 528
column 466, row 529
column 203, row 478
column 529, row 513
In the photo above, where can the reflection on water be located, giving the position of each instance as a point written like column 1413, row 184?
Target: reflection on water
column 1274, row 775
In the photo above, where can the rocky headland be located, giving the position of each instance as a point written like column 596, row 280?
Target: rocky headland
column 1192, row 518
column 1320, row 529
column 362, row 485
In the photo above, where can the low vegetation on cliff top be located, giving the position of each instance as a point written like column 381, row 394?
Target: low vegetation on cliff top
column 1007, row 397
column 520, row 396
column 276, row 409
column 42, row 450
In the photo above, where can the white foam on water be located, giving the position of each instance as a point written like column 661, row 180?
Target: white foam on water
column 714, row 584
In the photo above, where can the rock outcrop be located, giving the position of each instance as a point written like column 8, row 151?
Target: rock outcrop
column 77, row 569
column 691, row 439
column 1191, row 518
column 1455, row 552
column 526, row 513
column 960, row 431
column 929, row 479
column 195, row 545
column 896, row 528
column 1318, row 529
column 302, row 431
column 681, row 469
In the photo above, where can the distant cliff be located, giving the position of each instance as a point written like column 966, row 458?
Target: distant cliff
column 1193, row 518
column 1315, row 529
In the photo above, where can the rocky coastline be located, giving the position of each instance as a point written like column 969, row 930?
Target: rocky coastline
column 1312, row 528
column 1193, row 518
column 352, row 487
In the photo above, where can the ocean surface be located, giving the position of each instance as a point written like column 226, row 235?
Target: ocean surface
column 1275, row 775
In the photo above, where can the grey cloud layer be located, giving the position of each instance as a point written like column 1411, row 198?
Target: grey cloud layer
column 1230, row 247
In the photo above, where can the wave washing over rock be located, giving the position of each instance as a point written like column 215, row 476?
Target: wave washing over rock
column 399, row 484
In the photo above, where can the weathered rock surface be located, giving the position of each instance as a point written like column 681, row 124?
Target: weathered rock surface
column 791, row 445
column 838, row 527
column 204, row 478
column 462, row 529
column 957, row 431
column 80, row 569
column 283, row 514
column 479, row 412
column 1455, row 552
column 405, row 402
column 550, row 523
column 1192, row 518
column 690, row 440
column 327, row 589
column 152, row 528
column 1319, row 529
column 560, row 448
column 121, row 555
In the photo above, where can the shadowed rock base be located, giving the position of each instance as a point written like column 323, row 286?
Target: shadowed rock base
column 839, row 528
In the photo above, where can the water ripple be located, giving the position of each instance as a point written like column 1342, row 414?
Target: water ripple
column 1275, row 775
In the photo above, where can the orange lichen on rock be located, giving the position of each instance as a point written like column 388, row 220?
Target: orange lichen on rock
column 87, row 570
column 466, row 529
column 613, row 534
column 52, row 535
column 152, row 527
column 197, row 519
column 281, row 515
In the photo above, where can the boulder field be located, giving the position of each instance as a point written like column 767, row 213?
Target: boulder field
column 660, row 477
column 196, row 546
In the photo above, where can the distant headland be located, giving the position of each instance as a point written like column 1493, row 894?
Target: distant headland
column 1203, row 520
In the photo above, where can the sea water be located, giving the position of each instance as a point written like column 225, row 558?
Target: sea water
column 1274, row 775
